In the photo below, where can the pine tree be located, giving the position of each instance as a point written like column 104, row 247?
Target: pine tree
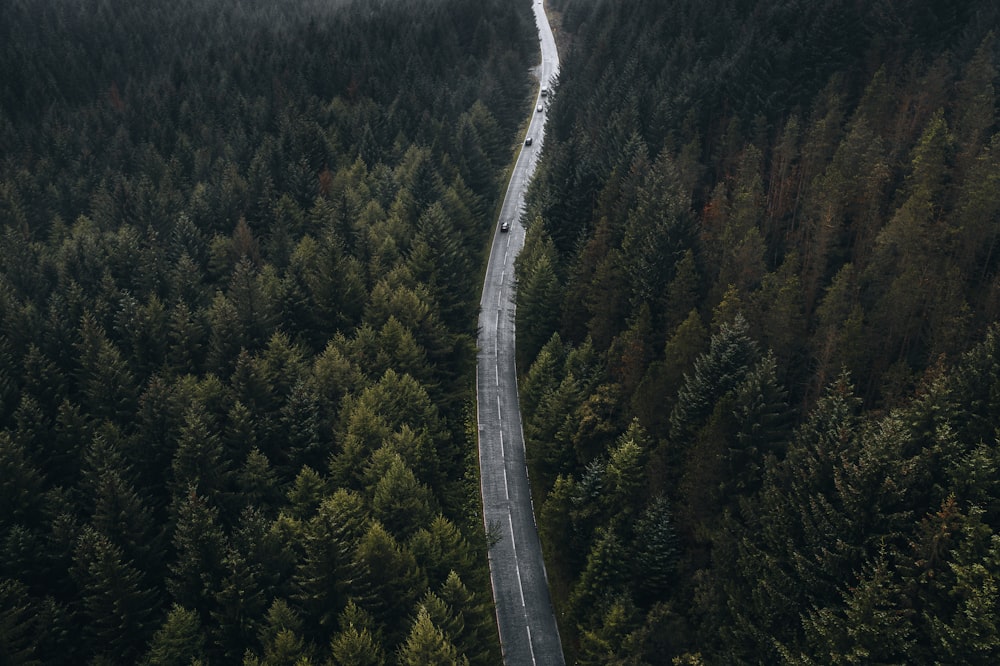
column 141, row 328
column 478, row 639
column 913, row 246
column 364, row 432
column 426, row 644
column 306, row 493
column 542, row 377
column 185, row 281
column 606, row 300
column 875, row 627
column 256, row 481
column 106, row 382
column 451, row 624
column 549, row 445
column 199, row 461
column 119, row 513
column 658, row 233
column 560, row 541
column 631, row 352
column 326, row 573
column 356, row 647
column 763, row 422
column 241, row 433
column 120, row 606
column 411, row 303
column 624, row 473
column 269, row 546
column 24, row 556
column 417, row 176
column 473, row 161
column 281, row 638
column 602, row 578
column 400, row 502
column 976, row 102
column 186, row 338
column 42, row 379
column 384, row 408
column 20, row 485
column 655, row 396
column 538, row 295
column 19, row 630
column 657, row 553
column 441, row 550
column 257, row 393
column 357, row 642
column 978, row 202
column 72, row 430
column 238, row 607
column 604, row 643
column 782, row 322
column 395, row 588
column 716, row 372
column 451, row 263
column 682, row 293
column 810, row 527
column 198, row 569
column 334, row 283
column 837, row 343
column 282, row 364
column 597, row 420
column 398, row 350
column 300, row 420
column 180, row 641
column 226, row 336
column 951, row 577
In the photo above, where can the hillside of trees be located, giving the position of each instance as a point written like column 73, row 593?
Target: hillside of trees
column 237, row 326
column 757, row 332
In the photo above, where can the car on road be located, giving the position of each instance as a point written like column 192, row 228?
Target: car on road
column 527, row 141
column 505, row 226
column 539, row 108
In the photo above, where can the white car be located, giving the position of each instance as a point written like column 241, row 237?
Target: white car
column 538, row 108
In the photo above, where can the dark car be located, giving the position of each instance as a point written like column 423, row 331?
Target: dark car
column 505, row 226
column 527, row 141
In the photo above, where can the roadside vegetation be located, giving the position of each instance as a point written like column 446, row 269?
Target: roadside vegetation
column 756, row 323
column 237, row 331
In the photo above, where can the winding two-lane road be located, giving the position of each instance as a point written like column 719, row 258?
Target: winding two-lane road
column 525, row 618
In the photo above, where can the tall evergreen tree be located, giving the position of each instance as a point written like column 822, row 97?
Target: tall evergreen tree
column 427, row 644
column 400, row 502
column 106, row 382
column 197, row 571
column 120, row 607
column 398, row 586
column 18, row 630
column 179, row 641
column 327, row 573
column 199, row 460
column 21, row 485
column 538, row 293
column 119, row 513
column 657, row 552
column 357, row 642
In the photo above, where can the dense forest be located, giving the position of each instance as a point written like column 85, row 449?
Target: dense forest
column 237, row 326
column 757, row 335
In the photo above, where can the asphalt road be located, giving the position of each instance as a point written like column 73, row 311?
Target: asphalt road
column 525, row 618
